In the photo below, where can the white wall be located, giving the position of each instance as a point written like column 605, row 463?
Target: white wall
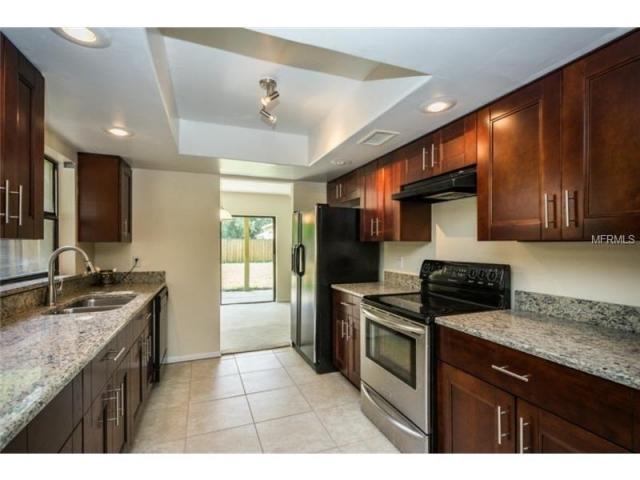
column 279, row 206
column 176, row 228
column 607, row 273
column 307, row 194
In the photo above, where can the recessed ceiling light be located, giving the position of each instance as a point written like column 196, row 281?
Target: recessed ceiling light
column 87, row 37
column 341, row 163
column 119, row 132
column 437, row 105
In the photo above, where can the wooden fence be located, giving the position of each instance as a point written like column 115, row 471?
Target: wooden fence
column 259, row 250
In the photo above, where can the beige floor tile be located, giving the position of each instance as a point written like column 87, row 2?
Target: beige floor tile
column 167, row 394
column 255, row 363
column 377, row 444
column 215, row 388
column 213, row 367
column 218, row 415
column 297, row 434
column 347, row 424
column 277, row 403
column 235, row 440
column 290, row 358
column 177, row 373
column 329, row 392
column 162, row 425
column 302, row 374
column 264, row 380
column 176, row 446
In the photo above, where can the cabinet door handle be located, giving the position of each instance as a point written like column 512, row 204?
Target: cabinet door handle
column 377, row 226
column 433, row 155
column 19, row 193
column 567, row 198
column 522, row 425
column 348, row 325
column 143, row 347
column 340, row 190
column 6, row 201
column 341, row 328
column 337, row 192
column 546, row 211
column 372, row 227
column 150, row 347
column 500, row 434
column 424, row 153
column 503, row 369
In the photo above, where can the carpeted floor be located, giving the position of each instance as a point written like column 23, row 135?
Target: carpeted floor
column 257, row 326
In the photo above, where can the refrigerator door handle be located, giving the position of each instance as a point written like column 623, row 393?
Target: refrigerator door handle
column 301, row 265
column 294, row 259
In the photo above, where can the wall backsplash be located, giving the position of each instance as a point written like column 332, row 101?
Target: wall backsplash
column 605, row 273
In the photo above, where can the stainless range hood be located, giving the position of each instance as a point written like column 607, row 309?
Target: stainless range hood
column 445, row 187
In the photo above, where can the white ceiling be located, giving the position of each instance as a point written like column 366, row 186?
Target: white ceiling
column 231, row 185
column 192, row 98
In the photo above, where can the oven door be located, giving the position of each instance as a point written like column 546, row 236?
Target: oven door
column 395, row 362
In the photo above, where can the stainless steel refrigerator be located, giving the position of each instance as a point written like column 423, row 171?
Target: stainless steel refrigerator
column 325, row 250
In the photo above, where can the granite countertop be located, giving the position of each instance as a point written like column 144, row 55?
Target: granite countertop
column 371, row 288
column 40, row 354
column 604, row 352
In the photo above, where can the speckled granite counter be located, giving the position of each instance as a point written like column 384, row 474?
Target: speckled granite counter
column 604, row 352
column 372, row 288
column 40, row 354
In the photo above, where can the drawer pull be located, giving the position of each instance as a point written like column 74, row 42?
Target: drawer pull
column 115, row 359
column 524, row 378
column 149, row 315
column 346, row 304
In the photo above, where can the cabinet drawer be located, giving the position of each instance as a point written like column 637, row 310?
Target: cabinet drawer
column 468, row 353
column 342, row 302
column 600, row 406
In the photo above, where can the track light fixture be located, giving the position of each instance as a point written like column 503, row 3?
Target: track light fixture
column 269, row 85
column 268, row 116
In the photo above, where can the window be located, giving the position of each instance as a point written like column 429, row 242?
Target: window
column 27, row 259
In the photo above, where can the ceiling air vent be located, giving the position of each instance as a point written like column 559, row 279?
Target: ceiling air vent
column 377, row 138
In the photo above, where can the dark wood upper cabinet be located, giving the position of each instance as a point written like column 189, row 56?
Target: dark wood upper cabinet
column 346, row 189
column 420, row 159
column 104, row 199
column 455, row 145
column 21, row 145
column 519, row 164
column 601, row 168
column 372, row 217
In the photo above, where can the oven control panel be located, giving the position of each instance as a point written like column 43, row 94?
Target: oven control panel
column 482, row 275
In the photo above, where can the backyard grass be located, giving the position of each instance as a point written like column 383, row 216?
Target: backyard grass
column 260, row 276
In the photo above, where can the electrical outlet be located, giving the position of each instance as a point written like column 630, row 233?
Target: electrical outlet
column 137, row 262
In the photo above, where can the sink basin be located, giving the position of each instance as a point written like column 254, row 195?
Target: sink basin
column 101, row 301
column 93, row 304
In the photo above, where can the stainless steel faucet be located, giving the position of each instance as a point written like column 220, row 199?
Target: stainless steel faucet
column 52, row 294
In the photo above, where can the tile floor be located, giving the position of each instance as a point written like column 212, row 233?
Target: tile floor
column 257, row 402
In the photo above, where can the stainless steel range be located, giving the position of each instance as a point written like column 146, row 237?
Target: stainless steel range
column 398, row 355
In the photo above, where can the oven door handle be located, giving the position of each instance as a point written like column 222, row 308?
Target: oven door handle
column 408, row 429
column 415, row 332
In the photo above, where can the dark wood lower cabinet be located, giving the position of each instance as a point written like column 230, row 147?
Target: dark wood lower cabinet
column 346, row 335
column 556, row 410
column 97, row 411
column 473, row 414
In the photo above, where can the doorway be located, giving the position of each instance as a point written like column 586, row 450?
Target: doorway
column 248, row 259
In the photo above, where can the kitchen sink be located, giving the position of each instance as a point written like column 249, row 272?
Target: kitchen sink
column 94, row 304
column 101, row 301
